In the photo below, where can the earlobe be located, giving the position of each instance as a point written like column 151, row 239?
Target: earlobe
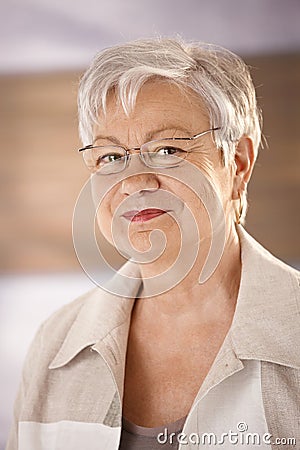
column 244, row 162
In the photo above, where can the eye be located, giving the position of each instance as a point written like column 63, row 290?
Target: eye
column 107, row 155
column 109, row 158
column 168, row 150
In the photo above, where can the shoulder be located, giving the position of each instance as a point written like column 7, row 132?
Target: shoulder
column 263, row 265
column 53, row 331
column 61, row 320
column 81, row 323
column 267, row 316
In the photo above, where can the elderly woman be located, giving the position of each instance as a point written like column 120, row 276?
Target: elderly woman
column 193, row 343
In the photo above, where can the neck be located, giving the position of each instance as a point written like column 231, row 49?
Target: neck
column 213, row 298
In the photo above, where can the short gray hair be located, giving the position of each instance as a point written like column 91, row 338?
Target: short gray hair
column 220, row 78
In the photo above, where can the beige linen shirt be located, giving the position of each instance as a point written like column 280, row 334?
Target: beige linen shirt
column 71, row 392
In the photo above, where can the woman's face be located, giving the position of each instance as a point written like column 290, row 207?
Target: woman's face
column 161, row 111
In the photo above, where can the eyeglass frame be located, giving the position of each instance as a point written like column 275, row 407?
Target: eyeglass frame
column 129, row 150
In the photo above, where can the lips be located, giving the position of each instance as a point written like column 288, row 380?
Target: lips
column 143, row 215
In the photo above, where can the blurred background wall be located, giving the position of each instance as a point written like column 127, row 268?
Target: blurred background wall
column 45, row 46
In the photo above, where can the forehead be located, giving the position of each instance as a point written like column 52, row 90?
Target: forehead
column 159, row 105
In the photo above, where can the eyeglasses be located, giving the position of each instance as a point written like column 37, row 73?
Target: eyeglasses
column 158, row 154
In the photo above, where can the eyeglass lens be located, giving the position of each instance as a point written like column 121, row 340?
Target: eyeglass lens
column 155, row 154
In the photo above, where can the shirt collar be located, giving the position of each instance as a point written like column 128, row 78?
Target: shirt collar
column 102, row 314
column 262, row 327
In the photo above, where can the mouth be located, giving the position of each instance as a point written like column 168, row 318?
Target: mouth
column 144, row 215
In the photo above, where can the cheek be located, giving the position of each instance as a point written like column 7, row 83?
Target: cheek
column 198, row 207
column 206, row 196
column 224, row 184
column 220, row 178
column 107, row 199
column 104, row 218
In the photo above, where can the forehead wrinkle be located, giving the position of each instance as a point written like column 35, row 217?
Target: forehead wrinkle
column 150, row 134
column 107, row 138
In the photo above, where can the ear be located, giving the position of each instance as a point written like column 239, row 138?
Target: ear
column 244, row 163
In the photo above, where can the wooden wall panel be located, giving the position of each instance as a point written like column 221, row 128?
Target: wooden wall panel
column 273, row 216
column 42, row 174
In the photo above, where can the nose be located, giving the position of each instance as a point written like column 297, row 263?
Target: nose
column 142, row 182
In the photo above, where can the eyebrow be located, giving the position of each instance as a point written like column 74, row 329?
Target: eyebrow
column 150, row 135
